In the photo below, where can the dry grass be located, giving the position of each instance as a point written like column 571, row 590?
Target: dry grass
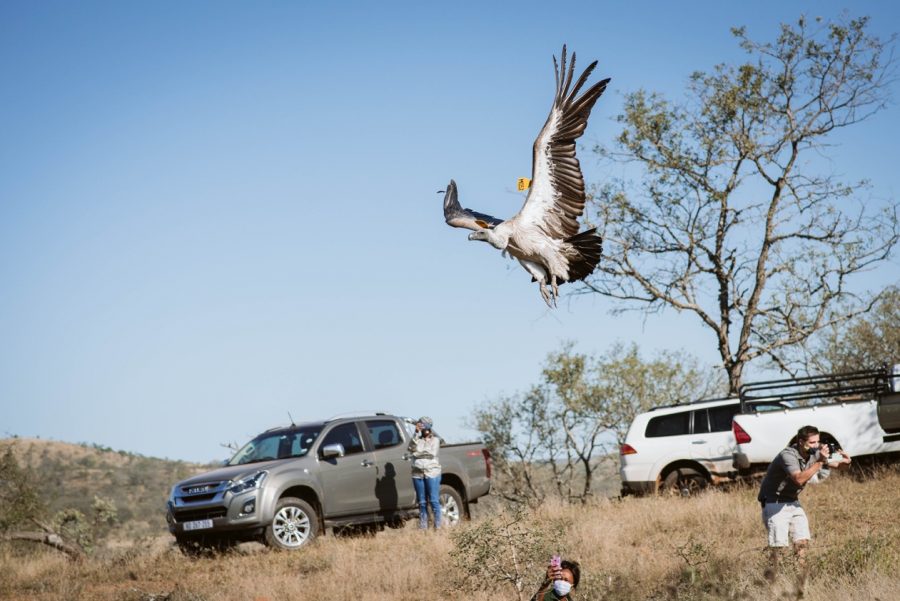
column 710, row 547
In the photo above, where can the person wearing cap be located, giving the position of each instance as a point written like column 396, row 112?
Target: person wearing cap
column 426, row 471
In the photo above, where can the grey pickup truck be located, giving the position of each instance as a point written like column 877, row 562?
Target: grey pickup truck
column 289, row 484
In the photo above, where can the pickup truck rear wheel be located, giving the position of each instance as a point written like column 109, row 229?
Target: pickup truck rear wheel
column 685, row 481
column 295, row 524
column 451, row 506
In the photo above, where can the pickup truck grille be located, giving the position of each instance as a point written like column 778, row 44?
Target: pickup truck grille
column 199, row 514
column 202, row 492
column 199, row 498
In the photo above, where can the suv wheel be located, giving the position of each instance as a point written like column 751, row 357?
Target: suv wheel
column 685, row 481
column 451, row 506
column 295, row 524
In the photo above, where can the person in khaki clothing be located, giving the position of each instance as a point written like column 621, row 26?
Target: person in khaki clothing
column 805, row 460
column 426, row 471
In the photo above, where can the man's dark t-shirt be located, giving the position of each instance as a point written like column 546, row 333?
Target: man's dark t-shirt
column 777, row 486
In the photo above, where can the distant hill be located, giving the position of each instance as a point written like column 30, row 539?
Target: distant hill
column 70, row 475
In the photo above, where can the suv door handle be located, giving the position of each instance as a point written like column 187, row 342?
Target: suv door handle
column 699, row 442
column 367, row 463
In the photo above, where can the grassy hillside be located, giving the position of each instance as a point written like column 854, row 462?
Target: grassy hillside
column 662, row 548
column 69, row 475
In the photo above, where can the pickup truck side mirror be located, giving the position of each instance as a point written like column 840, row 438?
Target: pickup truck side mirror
column 332, row 450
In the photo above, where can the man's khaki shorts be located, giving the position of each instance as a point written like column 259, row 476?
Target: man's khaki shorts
column 783, row 520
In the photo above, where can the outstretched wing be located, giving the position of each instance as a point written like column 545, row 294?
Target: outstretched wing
column 457, row 216
column 556, row 199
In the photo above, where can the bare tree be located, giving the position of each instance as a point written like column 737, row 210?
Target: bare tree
column 519, row 432
column 736, row 219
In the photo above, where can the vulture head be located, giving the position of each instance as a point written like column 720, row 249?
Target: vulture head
column 496, row 239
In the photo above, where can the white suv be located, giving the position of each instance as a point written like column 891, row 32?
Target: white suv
column 679, row 447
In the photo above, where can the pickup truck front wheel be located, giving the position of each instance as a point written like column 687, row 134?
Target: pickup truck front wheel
column 295, row 524
column 451, row 506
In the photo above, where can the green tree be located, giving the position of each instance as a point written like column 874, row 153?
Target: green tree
column 19, row 501
column 736, row 219
column 554, row 438
column 630, row 384
column 867, row 342
column 86, row 530
column 22, row 514
column 506, row 549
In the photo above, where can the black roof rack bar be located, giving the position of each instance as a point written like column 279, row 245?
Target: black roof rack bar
column 851, row 384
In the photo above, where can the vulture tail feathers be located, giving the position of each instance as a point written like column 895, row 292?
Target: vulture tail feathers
column 588, row 246
column 584, row 255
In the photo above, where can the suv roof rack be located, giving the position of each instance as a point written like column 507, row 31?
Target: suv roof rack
column 854, row 385
column 694, row 402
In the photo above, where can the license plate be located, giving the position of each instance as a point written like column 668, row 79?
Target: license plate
column 198, row 525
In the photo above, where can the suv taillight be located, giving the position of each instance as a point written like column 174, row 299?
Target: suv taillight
column 626, row 449
column 740, row 435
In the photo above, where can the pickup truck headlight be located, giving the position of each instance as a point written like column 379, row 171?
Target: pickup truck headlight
column 248, row 483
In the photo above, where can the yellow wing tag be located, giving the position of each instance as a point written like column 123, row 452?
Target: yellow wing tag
column 523, row 183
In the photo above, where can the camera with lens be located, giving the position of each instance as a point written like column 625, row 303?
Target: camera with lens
column 833, row 456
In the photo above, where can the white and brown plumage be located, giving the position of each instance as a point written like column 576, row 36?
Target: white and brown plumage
column 543, row 235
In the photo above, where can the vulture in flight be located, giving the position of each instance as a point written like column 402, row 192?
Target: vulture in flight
column 543, row 235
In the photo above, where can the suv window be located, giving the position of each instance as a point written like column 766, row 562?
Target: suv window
column 347, row 436
column 701, row 423
column 673, row 424
column 720, row 417
column 384, row 433
column 713, row 419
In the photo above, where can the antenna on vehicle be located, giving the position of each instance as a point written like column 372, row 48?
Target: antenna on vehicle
column 291, row 418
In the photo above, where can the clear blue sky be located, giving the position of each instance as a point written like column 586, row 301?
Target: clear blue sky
column 215, row 213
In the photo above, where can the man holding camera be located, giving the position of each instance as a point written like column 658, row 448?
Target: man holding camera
column 804, row 461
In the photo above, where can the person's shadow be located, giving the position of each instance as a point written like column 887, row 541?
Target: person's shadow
column 386, row 493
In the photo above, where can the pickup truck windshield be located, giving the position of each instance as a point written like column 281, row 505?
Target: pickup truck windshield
column 278, row 444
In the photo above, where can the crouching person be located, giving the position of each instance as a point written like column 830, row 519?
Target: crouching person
column 560, row 582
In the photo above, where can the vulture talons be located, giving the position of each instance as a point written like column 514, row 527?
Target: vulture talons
column 546, row 295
